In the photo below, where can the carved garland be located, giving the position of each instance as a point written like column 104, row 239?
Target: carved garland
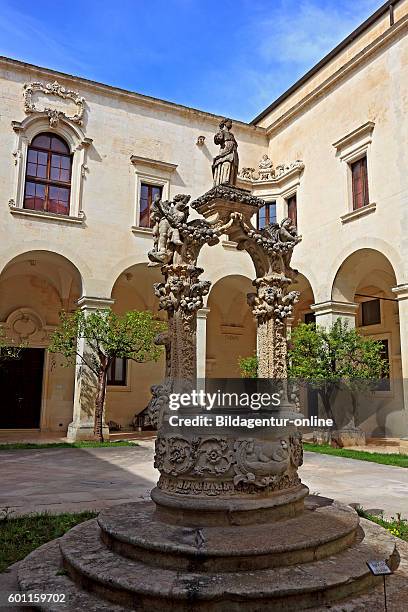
column 247, row 465
column 53, row 89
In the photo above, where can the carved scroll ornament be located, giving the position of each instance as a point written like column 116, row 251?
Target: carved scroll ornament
column 54, row 114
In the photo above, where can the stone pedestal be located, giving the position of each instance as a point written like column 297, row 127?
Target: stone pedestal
column 217, row 557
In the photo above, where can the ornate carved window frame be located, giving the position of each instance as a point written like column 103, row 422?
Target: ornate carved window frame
column 152, row 172
column 78, row 144
column 349, row 149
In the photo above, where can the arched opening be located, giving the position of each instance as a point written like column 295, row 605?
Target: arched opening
column 48, row 174
column 366, row 278
column 128, row 391
column 302, row 312
column 37, row 390
column 231, row 330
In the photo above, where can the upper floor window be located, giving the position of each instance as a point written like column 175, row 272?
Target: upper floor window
column 266, row 215
column 370, row 312
column 117, row 372
column 292, row 209
column 48, row 175
column 359, row 183
column 148, row 193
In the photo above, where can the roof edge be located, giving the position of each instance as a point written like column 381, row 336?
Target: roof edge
column 325, row 60
column 143, row 98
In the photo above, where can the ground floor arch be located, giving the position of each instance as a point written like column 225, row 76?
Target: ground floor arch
column 231, row 330
column 129, row 391
column 37, row 390
column 365, row 281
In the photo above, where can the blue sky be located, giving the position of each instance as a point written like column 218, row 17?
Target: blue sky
column 229, row 57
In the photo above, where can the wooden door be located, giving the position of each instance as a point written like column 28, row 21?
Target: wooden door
column 21, row 390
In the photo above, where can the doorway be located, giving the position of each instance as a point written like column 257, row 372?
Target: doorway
column 21, row 382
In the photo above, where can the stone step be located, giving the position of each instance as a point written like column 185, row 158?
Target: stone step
column 41, row 572
column 132, row 530
column 140, row 586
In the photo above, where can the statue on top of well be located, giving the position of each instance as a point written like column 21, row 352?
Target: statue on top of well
column 225, row 164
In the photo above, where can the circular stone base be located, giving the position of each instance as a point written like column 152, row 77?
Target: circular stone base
column 135, row 531
column 197, row 511
column 140, row 583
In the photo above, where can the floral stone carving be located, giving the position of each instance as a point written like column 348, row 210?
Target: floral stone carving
column 53, row 114
column 244, row 465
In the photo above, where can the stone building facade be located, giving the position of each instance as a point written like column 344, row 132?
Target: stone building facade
column 81, row 161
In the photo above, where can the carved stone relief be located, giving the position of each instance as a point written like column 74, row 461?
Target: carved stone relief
column 266, row 170
column 54, row 112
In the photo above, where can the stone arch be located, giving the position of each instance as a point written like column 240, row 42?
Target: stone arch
column 231, row 329
column 14, row 254
column 133, row 290
column 49, row 269
column 34, row 287
column 366, row 278
column 33, row 125
column 365, row 243
column 363, row 265
column 129, row 264
column 306, row 298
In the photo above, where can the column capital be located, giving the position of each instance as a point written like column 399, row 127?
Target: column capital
column 401, row 292
column 203, row 312
column 333, row 307
column 87, row 302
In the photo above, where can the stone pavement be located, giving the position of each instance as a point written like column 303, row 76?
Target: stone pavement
column 74, row 479
column 93, row 478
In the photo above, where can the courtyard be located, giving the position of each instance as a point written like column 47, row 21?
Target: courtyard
column 61, row 480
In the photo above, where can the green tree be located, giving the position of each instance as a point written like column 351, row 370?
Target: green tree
column 106, row 336
column 248, row 366
column 8, row 351
column 336, row 357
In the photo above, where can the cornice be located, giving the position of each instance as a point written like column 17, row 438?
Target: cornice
column 137, row 160
column 301, row 105
column 165, row 105
column 360, row 133
column 333, row 307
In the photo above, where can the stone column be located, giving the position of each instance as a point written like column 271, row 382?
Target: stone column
column 82, row 425
column 328, row 312
column 401, row 292
column 202, row 341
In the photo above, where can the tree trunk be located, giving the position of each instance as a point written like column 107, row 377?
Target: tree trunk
column 100, row 403
column 326, row 397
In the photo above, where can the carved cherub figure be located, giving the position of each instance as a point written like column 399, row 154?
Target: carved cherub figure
column 167, row 217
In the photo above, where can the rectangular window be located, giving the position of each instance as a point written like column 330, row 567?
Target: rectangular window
column 147, row 194
column 359, row 181
column 266, row 215
column 310, row 317
column 292, row 209
column 117, row 372
column 370, row 312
